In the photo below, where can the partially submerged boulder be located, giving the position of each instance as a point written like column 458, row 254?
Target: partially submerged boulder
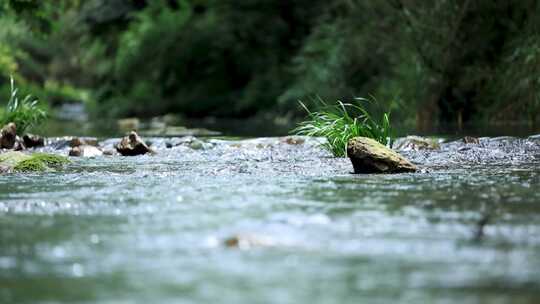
column 15, row 161
column 369, row 156
column 8, row 136
column 132, row 145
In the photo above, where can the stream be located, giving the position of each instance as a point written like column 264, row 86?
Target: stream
column 275, row 220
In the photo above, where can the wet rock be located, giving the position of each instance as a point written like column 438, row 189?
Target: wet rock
column 83, row 141
column 415, row 143
column 85, row 151
column 196, row 144
column 132, row 145
column 369, row 156
column 471, row 140
column 31, row 141
column 8, row 136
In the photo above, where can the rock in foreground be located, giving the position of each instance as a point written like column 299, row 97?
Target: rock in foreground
column 132, row 145
column 369, row 156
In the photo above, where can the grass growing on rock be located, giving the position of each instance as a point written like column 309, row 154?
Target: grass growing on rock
column 340, row 122
column 24, row 113
column 39, row 162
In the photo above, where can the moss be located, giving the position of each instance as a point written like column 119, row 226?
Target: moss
column 30, row 165
column 50, row 160
column 39, row 162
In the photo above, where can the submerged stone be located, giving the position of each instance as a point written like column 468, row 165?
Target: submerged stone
column 15, row 161
column 369, row 156
column 132, row 145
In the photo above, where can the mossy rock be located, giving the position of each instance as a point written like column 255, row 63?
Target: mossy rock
column 15, row 161
column 369, row 156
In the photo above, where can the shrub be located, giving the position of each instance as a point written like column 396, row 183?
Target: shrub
column 343, row 121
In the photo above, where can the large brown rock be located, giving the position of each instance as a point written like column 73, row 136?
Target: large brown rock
column 8, row 136
column 132, row 145
column 369, row 156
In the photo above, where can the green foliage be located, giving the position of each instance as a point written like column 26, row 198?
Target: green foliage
column 435, row 61
column 343, row 121
column 521, row 64
column 24, row 113
column 146, row 63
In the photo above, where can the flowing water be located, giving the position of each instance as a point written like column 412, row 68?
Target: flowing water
column 275, row 221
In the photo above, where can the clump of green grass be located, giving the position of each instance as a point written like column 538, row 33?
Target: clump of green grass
column 340, row 122
column 24, row 113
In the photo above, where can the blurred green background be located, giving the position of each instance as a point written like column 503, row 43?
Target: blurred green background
column 429, row 62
